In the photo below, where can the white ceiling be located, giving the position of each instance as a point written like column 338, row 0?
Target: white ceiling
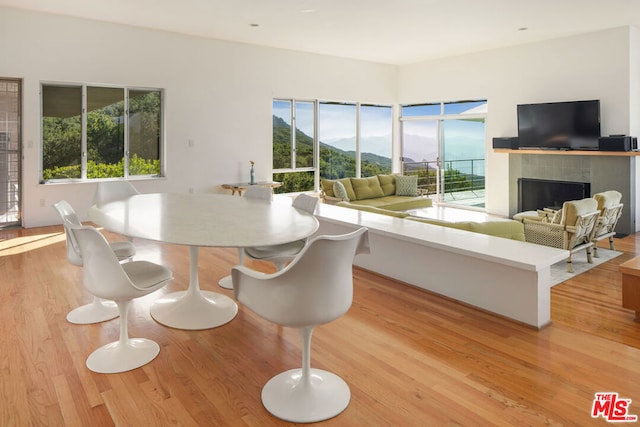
column 386, row 31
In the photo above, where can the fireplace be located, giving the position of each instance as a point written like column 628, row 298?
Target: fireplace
column 542, row 193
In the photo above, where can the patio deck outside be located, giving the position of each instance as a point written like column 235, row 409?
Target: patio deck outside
column 457, row 182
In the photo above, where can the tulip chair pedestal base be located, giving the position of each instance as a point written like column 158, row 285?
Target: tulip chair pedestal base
column 122, row 356
column 194, row 310
column 324, row 395
column 226, row 282
column 97, row 311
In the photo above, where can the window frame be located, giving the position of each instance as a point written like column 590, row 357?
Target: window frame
column 440, row 120
column 83, row 119
column 293, row 116
column 316, row 131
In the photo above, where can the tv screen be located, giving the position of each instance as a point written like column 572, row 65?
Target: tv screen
column 573, row 125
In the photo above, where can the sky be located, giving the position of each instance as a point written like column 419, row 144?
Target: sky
column 338, row 121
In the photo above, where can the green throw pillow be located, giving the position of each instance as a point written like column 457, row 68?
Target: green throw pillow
column 406, row 185
column 340, row 191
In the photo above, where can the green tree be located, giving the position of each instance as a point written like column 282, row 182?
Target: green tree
column 61, row 142
column 105, row 137
column 334, row 163
column 144, row 124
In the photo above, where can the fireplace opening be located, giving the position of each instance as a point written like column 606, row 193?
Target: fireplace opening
column 536, row 194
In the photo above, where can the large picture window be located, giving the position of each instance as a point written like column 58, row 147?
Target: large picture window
column 351, row 139
column 94, row 132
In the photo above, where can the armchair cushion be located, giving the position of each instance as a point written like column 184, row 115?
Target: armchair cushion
column 367, row 188
column 574, row 208
column 607, row 199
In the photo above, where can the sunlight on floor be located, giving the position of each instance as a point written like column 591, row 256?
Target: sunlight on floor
column 18, row 245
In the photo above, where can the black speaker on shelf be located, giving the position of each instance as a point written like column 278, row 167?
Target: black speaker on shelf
column 618, row 143
column 510, row 142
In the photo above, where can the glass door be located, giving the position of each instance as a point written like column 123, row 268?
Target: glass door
column 463, row 152
column 444, row 144
column 421, row 154
column 10, row 148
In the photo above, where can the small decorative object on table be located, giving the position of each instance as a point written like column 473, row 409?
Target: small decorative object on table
column 252, row 180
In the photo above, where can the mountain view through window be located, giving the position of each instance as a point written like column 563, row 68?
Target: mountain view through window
column 341, row 153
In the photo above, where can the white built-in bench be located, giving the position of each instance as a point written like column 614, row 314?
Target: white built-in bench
column 507, row 277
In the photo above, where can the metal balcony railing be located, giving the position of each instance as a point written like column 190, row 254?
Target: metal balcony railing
column 448, row 177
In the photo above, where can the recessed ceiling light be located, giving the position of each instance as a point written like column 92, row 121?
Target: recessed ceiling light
column 254, row 25
column 523, row 28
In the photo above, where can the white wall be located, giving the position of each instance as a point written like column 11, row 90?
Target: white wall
column 218, row 94
column 591, row 66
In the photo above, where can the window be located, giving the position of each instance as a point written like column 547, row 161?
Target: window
column 376, row 140
column 444, row 144
column 355, row 140
column 351, row 139
column 294, row 145
column 61, row 132
column 337, row 131
column 94, row 132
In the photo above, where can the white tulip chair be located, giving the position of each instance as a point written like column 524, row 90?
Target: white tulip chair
column 98, row 310
column 107, row 278
column 253, row 192
column 314, row 289
column 280, row 255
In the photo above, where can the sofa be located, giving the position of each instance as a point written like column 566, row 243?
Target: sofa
column 506, row 228
column 393, row 195
column 390, row 192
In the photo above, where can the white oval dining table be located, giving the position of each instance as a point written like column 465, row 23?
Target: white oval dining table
column 202, row 220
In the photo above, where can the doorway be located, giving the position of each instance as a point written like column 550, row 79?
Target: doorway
column 10, row 152
column 443, row 143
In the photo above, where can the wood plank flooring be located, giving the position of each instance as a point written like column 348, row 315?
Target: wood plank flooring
column 410, row 358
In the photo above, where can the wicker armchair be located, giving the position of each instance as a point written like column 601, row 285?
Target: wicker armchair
column 610, row 211
column 573, row 232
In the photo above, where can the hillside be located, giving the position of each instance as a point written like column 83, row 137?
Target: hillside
column 334, row 163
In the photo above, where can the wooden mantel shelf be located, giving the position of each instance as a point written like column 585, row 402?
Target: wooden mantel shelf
column 570, row 152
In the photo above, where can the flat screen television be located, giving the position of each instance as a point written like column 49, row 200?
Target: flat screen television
column 573, row 125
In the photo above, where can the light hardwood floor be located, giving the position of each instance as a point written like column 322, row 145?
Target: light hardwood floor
column 410, row 358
